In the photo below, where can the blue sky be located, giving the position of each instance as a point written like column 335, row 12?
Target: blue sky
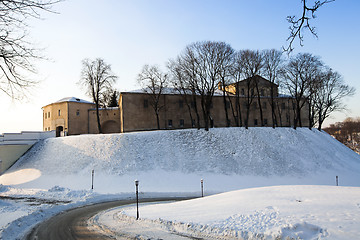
column 129, row 34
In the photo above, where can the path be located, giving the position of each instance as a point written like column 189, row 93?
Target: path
column 72, row 224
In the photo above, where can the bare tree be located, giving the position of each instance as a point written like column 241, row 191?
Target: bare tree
column 16, row 53
column 202, row 64
column 183, row 87
column 297, row 77
column 225, row 55
column 347, row 132
column 97, row 78
column 272, row 65
column 187, row 78
column 237, row 76
column 298, row 24
column 330, row 94
column 153, row 82
column 252, row 61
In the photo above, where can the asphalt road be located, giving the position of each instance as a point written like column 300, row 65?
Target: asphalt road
column 72, row 224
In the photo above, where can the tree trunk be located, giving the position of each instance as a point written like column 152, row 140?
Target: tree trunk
column 98, row 117
column 157, row 120
column 273, row 114
column 320, row 120
column 189, row 109
column 196, row 112
column 225, row 108
column 259, row 102
column 247, row 116
column 205, row 113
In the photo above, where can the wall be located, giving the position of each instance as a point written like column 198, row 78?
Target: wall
column 109, row 119
column 137, row 117
column 55, row 120
column 14, row 145
column 78, row 116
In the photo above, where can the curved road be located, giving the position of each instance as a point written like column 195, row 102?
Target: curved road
column 72, row 224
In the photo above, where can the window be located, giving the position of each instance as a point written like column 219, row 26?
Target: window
column 242, row 91
column 48, row 114
column 45, row 115
column 181, row 103
column 193, row 123
column 264, row 105
column 170, row 123
column 255, row 122
column 265, row 121
column 146, row 103
column 59, row 113
column 262, row 92
column 77, row 112
column 252, row 92
column 192, row 104
column 181, row 122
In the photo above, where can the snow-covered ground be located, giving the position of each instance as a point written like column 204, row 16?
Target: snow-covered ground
column 56, row 173
column 296, row 212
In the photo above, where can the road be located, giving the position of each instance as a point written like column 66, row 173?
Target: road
column 72, row 224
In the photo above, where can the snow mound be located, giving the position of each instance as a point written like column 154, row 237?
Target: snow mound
column 228, row 153
column 278, row 212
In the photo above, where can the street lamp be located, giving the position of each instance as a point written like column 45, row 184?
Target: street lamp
column 202, row 188
column 92, row 179
column 137, row 199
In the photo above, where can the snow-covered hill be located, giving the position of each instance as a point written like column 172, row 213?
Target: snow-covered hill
column 57, row 172
column 226, row 158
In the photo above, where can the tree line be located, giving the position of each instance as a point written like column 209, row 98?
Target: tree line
column 347, row 132
column 203, row 67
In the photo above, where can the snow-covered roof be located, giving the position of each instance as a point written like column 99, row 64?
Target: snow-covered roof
column 72, row 99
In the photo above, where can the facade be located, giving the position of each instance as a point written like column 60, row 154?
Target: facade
column 71, row 116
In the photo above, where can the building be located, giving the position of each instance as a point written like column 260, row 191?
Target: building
column 71, row 116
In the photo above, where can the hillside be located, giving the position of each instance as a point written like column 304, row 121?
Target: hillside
column 226, row 159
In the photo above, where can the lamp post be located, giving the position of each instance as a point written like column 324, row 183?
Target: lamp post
column 202, row 188
column 137, row 199
column 337, row 180
column 92, row 179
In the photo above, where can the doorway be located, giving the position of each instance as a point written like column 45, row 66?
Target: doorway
column 59, row 131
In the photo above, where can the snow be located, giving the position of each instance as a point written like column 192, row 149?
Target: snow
column 278, row 212
column 55, row 175
column 73, row 99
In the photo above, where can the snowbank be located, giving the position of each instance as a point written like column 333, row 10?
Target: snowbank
column 226, row 158
column 280, row 212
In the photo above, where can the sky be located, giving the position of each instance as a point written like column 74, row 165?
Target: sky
column 130, row 34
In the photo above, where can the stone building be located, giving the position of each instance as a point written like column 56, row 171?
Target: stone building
column 73, row 116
